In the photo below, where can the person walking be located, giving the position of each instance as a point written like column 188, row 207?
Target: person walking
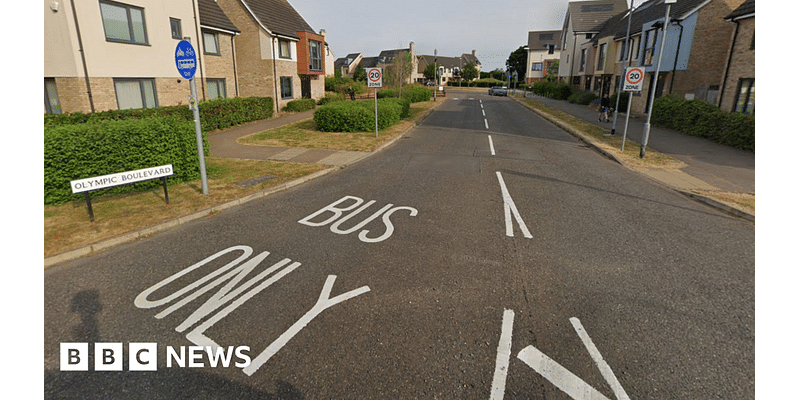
column 605, row 102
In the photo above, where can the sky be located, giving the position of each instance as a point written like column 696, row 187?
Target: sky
column 494, row 29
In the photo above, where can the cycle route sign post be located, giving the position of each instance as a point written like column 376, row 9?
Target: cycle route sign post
column 375, row 80
column 186, row 61
column 634, row 77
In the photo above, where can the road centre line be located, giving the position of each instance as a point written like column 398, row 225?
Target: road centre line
column 491, row 144
column 485, row 122
column 503, row 357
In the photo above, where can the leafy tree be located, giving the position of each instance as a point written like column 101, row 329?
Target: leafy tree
column 399, row 71
column 517, row 62
column 469, row 72
column 430, row 71
column 360, row 74
column 498, row 74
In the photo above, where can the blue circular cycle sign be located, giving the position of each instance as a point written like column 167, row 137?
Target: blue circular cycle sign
column 186, row 59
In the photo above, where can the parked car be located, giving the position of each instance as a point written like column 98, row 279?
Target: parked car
column 498, row 91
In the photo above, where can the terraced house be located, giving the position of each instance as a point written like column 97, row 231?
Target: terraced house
column 107, row 54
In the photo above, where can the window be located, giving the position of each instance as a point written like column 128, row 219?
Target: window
column 583, row 60
column 175, row 27
column 315, row 55
column 286, row 87
column 123, row 23
column 210, row 43
column 135, row 93
column 284, row 51
column 746, row 96
column 51, row 103
column 216, row 88
column 551, row 48
column 536, row 67
column 601, row 57
column 650, row 46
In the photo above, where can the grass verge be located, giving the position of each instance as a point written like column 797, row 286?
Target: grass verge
column 612, row 145
column 67, row 226
column 304, row 134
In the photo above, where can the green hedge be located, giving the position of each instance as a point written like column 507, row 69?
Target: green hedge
column 703, row 119
column 413, row 93
column 358, row 116
column 582, row 97
column 214, row 114
column 96, row 148
column 300, row 105
column 555, row 90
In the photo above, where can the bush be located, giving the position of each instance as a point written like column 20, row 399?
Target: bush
column 555, row 90
column 487, row 83
column 358, row 116
column 300, row 105
column 330, row 97
column 416, row 93
column 214, row 114
column 97, row 148
column 623, row 101
column 582, row 97
column 703, row 119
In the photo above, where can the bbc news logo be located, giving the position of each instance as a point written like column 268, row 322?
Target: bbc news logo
column 144, row 356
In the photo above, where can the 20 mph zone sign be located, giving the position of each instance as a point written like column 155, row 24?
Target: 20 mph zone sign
column 634, row 76
column 374, row 77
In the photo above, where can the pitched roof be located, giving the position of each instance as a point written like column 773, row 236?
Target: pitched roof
column 213, row 17
column 648, row 11
column 746, row 10
column 540, row 40
column 590, row 16
column 278, row 16
column 447, row 62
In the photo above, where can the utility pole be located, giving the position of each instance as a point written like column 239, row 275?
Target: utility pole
column 646, row 133
column 626, row 54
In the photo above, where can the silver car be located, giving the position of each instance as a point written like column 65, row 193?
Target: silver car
column 498, row 91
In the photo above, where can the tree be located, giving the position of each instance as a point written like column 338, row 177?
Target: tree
column 399, row 71
column 430, row 72
column 360, row 74
column 469, row 72
column 517, row 62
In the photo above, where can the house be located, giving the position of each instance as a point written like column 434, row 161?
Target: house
column 348, row 64
column 383, row 60
column 583, row 20
column 544, row 53
column 737, row 91
column 94, row 52
column 449, row 67
column 278, row 54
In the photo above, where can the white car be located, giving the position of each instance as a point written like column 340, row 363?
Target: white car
column 498, row 91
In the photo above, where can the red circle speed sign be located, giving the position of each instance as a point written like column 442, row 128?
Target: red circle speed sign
column 634, row 76
column 374, row 74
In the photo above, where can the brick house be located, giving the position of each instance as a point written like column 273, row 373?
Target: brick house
column 106, row 55
column 584, row 19
column 544, row 52
column 737, row 93
column 278, row 54
column 448, row 66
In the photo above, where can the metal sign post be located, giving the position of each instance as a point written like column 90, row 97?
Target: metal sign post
column 375, row 80
column 186, row 61
column 634, row 76
column 646, row 133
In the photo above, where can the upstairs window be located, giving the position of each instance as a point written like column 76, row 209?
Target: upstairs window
column 123, row 23
column 284, row 50
column 210, row 43
column 601, row 58
column 315, row 55
column 175, row 27
column 650, row 39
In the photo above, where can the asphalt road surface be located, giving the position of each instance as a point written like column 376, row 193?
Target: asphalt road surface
column 485, row 255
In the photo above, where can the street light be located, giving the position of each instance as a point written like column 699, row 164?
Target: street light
column 626, row 53
column 435, row 73
column 646, row 133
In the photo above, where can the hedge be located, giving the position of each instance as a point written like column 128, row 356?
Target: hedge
column 358, row 116
column 300, row 105
column 555, row 90
column 703, row 119
column 214, row 114
column 583, row 97
column 413, row 93
column 97, row 148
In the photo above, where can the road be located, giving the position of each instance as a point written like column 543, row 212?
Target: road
column 485, row 255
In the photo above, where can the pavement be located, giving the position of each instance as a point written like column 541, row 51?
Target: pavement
column 710, row 167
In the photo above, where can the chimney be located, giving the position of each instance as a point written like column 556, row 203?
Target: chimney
column 473, row 53
column 411, row 48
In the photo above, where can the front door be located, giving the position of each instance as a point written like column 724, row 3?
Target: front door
column 305, row 86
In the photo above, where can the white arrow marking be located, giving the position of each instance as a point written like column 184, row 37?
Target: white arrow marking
column 605, row 370
column 503, row 357
column 509, row 207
